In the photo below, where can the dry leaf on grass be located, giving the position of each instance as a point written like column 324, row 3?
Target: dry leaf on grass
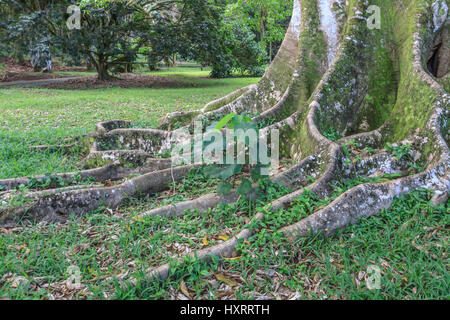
column 184, row 289
column 224, row 279
column 17, row 281
column 224, row 237
column 5, row 231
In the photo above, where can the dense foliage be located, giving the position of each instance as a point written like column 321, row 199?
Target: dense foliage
column 228, row 35
column 267, row 19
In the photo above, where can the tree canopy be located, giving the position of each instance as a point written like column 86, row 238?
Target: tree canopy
column 228, row 35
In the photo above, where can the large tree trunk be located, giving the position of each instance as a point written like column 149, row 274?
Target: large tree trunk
column 337, row 99
column 102, row 69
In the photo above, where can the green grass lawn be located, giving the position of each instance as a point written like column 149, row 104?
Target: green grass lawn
column 34, row 116
column 408, row 243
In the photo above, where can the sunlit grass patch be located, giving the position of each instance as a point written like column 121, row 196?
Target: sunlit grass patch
column 37, row 116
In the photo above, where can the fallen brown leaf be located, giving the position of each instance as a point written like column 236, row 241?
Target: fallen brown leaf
column 224, row 279
column 184, row 289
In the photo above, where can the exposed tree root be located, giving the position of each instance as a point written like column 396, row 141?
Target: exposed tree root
column 363, row 200
column 203, row 203
column 173, row 120
column 57, row 206
column 109, row 172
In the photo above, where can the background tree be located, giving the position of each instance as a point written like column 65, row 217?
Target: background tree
column 202, row 31
column 29, row 26
column 228, row 35
column 247, row 56
column 111, row 34
column 194, row 30
column 268, row 19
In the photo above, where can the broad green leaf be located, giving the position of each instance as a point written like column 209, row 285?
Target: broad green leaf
column 222, row 123
column 245, row 187
column 224, row 188
column 255, row 174
column 246, row 126
column 230, row 170
column 235, row 121
column 213, row 172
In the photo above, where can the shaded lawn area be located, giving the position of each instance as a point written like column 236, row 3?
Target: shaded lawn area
column 34, row 116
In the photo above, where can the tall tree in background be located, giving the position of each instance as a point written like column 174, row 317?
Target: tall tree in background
column 113, row 31
column 193, row 30
column 4, row 12
column 228, row 35
column 267, row 18
column 29, row 26
column 110, row 36
column 246, row 55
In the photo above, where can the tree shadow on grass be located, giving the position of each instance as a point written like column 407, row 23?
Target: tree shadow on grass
column 128, row 81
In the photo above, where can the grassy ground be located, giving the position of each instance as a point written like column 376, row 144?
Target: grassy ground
column 33, row 116
column 408, row 242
